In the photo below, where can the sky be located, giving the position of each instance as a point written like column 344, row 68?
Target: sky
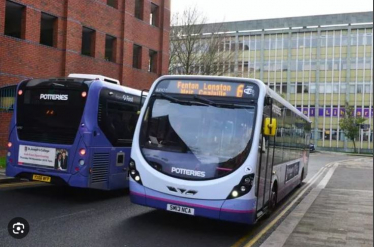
column 239, row 10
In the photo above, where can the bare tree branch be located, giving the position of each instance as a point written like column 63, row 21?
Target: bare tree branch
column 194, row 52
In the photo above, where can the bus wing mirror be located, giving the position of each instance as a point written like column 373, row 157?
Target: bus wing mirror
column 270, row 126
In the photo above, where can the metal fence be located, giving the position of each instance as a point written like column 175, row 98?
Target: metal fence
column 7, row 98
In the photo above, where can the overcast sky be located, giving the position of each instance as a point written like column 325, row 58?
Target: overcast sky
column 238, row 10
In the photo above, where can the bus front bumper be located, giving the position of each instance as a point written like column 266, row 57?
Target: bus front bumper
column 235, row 210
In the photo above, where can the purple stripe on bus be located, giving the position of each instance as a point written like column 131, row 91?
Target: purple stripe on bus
column 224, row 169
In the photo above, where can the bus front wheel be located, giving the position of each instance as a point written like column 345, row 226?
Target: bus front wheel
column 274, row 197
column 301, row 179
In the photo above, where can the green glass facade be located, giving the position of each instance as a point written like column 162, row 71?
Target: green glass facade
column 317, row 63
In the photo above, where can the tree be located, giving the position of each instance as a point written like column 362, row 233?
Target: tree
column 195, row 50
column 350, row 124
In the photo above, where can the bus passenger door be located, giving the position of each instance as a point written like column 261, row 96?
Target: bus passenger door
column 261, row 174
column 264, row 173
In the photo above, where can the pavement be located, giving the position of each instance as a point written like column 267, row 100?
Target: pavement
column 5, row 179
column 338, row 211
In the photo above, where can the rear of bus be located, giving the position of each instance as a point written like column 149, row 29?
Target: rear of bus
column 73, row 131
column 46, row 139
column 195, row 147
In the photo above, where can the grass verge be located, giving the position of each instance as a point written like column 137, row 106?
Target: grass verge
column 2, row 162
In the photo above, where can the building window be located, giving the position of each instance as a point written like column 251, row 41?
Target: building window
column 88, row 41
column 343, row 88
column 137, row 57
column 139, row 9
column 352, row 89
column 154, row 15
column 327, row 135
column 14, row 20
column 152, row 66
column 7, row 97
column 112, row 3
column 367, row 88
column 312, row 88
column 299, row 88
column 110, row 44
column 292, row 88
column 47, row 29
column 284, row 88
column 359, row 88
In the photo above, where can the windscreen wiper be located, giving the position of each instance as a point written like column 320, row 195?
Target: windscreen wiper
column 205, row 100
column 182, row 102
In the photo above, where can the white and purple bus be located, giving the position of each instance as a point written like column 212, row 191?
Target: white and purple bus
column 217, row 147
column 73, row 131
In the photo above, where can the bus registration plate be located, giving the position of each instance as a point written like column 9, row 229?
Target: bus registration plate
column 41, row 178
column 180, row 209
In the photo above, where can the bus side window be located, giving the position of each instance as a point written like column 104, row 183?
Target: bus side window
column 118, row 121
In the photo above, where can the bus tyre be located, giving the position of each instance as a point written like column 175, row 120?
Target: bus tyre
column 301, row 179
column 273, row 199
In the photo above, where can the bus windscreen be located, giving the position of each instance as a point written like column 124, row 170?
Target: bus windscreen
column 50, row 112
column 196, row 141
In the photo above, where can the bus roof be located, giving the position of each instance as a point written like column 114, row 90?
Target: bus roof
column 95, row 77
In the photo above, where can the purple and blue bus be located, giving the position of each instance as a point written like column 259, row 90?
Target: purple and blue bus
column 217, row 147
column 73, row 131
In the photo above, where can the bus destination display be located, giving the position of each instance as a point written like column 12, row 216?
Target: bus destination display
column 220, row 89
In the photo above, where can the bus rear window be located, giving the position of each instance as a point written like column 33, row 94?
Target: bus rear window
column 50, row 114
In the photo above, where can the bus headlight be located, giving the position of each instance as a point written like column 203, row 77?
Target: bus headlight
column 234, row 194
column 9, row 154
column 134, row 173
column 132, row 164
column 81, row 162
column 243, row 187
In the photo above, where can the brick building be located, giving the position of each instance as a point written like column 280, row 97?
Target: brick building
column 123, row 39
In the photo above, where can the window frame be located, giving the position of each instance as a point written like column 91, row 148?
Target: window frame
column 154, row 15
column 113, row 41
column 152, row 65
column 92, row 34
column 137, row 56
column 114, row 4
column 10, row 20
column 139, row 9
column 54, row 29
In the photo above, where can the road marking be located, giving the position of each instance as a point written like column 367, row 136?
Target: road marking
column 364, row 191
column 279, row 237
column 273, row 222
column 20, row 184
column 326, row 179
